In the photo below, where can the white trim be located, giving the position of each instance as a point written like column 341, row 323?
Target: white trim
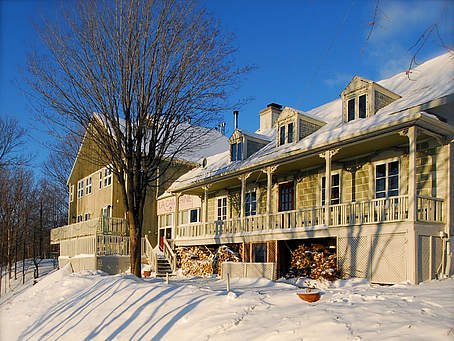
column 217, row 207
column 374, row 178
column 321, row 176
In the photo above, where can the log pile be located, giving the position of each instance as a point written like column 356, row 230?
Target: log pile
column 203, row 261
column 224, row 254
column 315, row 261
column 195, row 261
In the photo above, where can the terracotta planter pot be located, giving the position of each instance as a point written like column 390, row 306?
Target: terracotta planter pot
column 309, row 295
column 147, row 273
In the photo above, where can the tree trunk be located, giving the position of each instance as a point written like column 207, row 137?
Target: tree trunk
column 23, row 264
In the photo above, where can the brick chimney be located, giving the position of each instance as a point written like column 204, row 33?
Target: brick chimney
column 269, row 115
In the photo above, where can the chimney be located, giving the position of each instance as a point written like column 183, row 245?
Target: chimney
column 269, row 115
column 235, row 120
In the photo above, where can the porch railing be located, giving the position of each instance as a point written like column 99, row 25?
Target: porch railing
column 429, row 209
column 354, row 213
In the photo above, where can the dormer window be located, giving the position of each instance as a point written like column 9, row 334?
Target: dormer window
column 236, row 151
column 294, row 125
column 243, row 144
column 363, row 98
column 357, row 112
column 286, row 133
column 290, row 133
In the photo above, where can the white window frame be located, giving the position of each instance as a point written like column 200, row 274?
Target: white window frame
column 356, row 97
column 88, row 185
column 71, row 193
column 250, row 203
column 226, row 208
column 333, row 173
column 100, row 179
column 165, row 220
column 80, row 189
column 107, row 177
column 386, row 162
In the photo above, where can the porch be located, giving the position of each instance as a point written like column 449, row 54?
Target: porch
column 375, row 211
column 103, row 236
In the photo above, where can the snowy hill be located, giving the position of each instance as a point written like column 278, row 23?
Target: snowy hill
column 92, row 306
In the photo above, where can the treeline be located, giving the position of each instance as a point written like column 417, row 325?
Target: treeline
column 32, row 202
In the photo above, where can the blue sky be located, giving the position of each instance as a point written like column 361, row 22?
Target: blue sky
column 305, row 51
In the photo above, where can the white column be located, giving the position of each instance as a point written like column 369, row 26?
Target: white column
column 327, row 155
column 269, row 186
column 175, row 215
column 412, row 198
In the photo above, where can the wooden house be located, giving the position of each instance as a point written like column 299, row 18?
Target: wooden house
column 369, row 175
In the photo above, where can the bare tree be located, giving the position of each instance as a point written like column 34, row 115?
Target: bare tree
column 12, row 138
column 132, row 74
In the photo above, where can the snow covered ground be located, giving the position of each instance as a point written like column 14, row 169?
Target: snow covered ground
column 13, row 287
column 91, row 305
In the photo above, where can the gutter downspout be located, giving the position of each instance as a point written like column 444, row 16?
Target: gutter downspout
column 446, row 265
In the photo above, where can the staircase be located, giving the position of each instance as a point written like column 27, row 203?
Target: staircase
column 163, row 267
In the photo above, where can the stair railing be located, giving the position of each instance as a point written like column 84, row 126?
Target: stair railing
column 170, row 255
column 151, row 255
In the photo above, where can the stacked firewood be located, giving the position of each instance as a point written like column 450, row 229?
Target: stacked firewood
column 195, row 261
column 203, row 261
column 315, row 261
column 224, row 254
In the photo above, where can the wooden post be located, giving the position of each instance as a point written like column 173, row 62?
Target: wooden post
column 205, row 208
column 412, row 244
column 176, row 214
column 327, row 155
column 269, row 186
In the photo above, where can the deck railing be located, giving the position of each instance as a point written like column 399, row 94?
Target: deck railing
column 430, row 209
column 354, row 213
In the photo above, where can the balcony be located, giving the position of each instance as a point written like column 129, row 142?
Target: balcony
column 375, row 211
column 100, row 236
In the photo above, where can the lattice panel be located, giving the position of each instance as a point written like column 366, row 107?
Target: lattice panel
column 437, row 253
column 389, row 254
column 271, row 249
column 353, row 256
column 424, row 258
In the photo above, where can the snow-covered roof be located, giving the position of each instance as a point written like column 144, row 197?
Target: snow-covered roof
column 429, row 81
column 256, row 135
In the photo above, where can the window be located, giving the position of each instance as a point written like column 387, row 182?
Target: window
column 387, row 179
column 107, row 177
column 100, row 179
column 286, row 195
column 88, row 185
column 87, row 216
column 222, row 208
column 194, row 215
column 71, row 193
column 335, row 189
column 259, row 252
column 236, row 151
column 250, row 204
column 79, row 218
column 351, row 110
column 290, row 133
column 107, row 211
column 166, row 220
column 189, row 216
column 362, row 106
column 282, row 136
column 80, row 189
